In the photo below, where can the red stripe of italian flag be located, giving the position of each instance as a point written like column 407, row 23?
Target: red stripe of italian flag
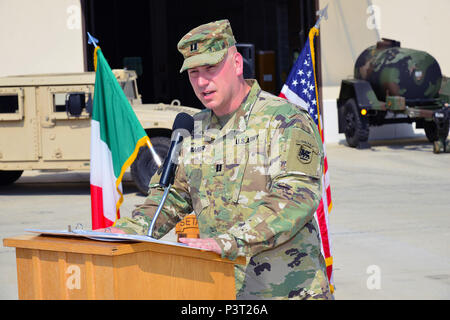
column 116, row 136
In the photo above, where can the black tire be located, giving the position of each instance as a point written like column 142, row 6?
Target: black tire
column 8, row 177
column 356, row 128
column 144, row 167
column 432, row 132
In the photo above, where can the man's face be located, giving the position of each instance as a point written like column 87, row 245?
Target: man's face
column 214, row 84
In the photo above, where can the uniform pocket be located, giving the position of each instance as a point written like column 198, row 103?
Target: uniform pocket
column 199, row 203
column 197, row 189
column 235, row 169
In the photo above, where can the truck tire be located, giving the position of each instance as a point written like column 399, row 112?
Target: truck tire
column 144, row 167
column 432, row 132
column 356, row 129
column 8, row 177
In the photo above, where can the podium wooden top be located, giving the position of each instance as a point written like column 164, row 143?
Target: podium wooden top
column 107, row 248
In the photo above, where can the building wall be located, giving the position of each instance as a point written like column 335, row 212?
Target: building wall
column 43, row 36
column 354, row 25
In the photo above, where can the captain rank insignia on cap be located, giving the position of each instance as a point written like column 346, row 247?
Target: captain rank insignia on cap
column 206, row 44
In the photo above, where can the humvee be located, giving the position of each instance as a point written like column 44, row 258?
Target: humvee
column 392, row 84
column 45, row 124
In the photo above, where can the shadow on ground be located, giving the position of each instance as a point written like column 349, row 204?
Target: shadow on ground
column 417, row 144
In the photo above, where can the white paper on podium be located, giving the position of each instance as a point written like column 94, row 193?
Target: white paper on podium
column 106, row 236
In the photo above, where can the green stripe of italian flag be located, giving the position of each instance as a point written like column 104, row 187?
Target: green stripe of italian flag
column 116, row 136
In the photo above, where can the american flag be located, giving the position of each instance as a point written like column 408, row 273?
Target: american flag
column 300, row 89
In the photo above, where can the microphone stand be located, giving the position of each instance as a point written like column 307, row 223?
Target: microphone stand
column 183, row 121
column 166, row 179
column 158, row 211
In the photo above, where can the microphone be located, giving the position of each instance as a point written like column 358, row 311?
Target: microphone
column 182, row 126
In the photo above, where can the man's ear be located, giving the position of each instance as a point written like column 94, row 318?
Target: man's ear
column 238, row 64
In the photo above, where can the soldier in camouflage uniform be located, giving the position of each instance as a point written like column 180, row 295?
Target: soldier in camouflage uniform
column 251, row 174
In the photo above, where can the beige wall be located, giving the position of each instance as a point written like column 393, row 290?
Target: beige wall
column 41, row 36
column 343, row 36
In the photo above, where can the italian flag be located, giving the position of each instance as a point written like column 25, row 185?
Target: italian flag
column 116, row 136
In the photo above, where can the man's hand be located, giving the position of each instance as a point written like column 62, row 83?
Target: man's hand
column 208, row 244
column 110, row 230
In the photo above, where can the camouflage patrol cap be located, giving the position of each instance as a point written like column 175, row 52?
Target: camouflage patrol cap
column 206, row 44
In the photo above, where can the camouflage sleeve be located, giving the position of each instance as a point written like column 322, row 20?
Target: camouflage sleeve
column 177, row 205
column 293, row 195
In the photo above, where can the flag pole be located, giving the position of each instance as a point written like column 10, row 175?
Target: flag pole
column 292, row 91
column 314, row 32
column 94, row 41
column 321, row 13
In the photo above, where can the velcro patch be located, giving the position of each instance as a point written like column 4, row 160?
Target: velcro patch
column 304, row 154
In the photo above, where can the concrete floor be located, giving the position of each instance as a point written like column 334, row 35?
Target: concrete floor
column 390, row 222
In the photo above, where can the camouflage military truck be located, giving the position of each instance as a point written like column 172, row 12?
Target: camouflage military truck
column 394, row 85
column 45, row 124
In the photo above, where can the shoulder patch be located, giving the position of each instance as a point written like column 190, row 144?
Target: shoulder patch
column 304, row 154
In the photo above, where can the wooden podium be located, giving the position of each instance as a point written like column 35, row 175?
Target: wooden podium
column 51, row 267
